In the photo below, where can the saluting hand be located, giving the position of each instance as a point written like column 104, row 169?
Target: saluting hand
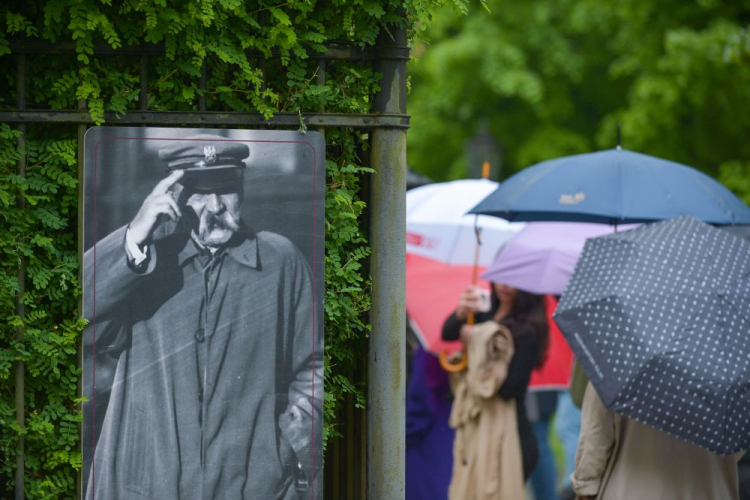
column 158, row 204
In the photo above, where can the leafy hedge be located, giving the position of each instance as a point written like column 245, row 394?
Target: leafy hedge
column 42, row 234
column 240, row 42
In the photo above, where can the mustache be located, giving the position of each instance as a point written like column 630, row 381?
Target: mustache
column 210, row 222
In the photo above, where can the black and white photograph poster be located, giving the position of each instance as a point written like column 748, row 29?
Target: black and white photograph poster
column 203, row 288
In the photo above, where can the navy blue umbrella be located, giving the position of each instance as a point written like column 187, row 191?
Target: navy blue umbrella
column 659, row 319
column 612, row 187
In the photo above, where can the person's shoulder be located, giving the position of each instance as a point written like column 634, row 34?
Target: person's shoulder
column 275, row 241
column 270, row 243
column 524, row 334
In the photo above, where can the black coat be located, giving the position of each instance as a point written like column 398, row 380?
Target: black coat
column 524, row 360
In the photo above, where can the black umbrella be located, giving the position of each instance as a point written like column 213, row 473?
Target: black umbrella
column 659, row 318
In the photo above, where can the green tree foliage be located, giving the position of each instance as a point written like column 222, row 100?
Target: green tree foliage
column 256, row 55
column 556, row 77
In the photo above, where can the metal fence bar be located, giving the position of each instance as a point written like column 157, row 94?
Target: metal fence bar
column 263, row 74
column 20, row 389
column 144, row 83
column 81, row 204
column 386, row 360
column 364, row 194
column 333, row 51
column 321, row 80
column 349, row 475
column 261, row 60
column 362, row 482
column 291, row 120
column 202, row 87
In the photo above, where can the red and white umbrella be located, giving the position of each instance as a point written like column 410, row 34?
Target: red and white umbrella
column 432, row 290
column 441, row 246
column 437, row 225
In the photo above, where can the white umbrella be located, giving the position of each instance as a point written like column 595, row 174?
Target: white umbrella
column 437, row 225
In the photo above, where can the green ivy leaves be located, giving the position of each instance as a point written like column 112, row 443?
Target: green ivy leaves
column 39, row 230
column 256, row 59
column 223, row 33
column 347, row 296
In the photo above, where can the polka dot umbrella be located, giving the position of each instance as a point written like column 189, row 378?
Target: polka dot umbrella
column 659, row 318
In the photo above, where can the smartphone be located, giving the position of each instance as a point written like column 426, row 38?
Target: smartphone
column 485, row 301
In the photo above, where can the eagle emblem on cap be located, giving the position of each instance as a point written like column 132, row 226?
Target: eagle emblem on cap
column 209, row 156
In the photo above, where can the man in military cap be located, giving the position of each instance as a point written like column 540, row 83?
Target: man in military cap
column 214, row 393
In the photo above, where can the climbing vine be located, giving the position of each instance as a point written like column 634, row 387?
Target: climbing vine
column 256, row 56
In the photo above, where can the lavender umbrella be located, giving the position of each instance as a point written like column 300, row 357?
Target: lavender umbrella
column 541, row 257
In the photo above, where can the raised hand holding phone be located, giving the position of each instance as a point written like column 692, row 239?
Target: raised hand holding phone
column 473, row 300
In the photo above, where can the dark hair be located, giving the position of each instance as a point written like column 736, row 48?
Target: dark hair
column 528, row 310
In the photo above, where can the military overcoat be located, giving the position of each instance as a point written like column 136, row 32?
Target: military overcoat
column 217, row 390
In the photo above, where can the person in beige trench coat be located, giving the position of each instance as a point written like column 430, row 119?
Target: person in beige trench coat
column 486, row 450
column 619, row 459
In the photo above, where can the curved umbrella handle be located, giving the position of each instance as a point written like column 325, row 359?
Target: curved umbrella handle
column 452, row 367
column 459, row 365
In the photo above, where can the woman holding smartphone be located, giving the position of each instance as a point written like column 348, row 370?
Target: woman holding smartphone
column 524, row 315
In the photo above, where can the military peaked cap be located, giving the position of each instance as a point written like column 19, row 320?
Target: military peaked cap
column 209, row 161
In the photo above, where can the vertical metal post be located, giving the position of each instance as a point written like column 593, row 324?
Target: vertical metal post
column 264, row 74
column 144, row 83
column 263, row 20
column 81, row 209
column 81, row 197
column 331, row 483
column 362, row 479
column 20, row 389
column 321, row 80
column 202, row 86
column 350, row 444
column 386, row 361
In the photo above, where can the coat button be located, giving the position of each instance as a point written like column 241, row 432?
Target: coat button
column 200, row 335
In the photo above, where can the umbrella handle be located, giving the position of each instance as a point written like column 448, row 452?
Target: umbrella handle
column 459, row 365
column 451, row 367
